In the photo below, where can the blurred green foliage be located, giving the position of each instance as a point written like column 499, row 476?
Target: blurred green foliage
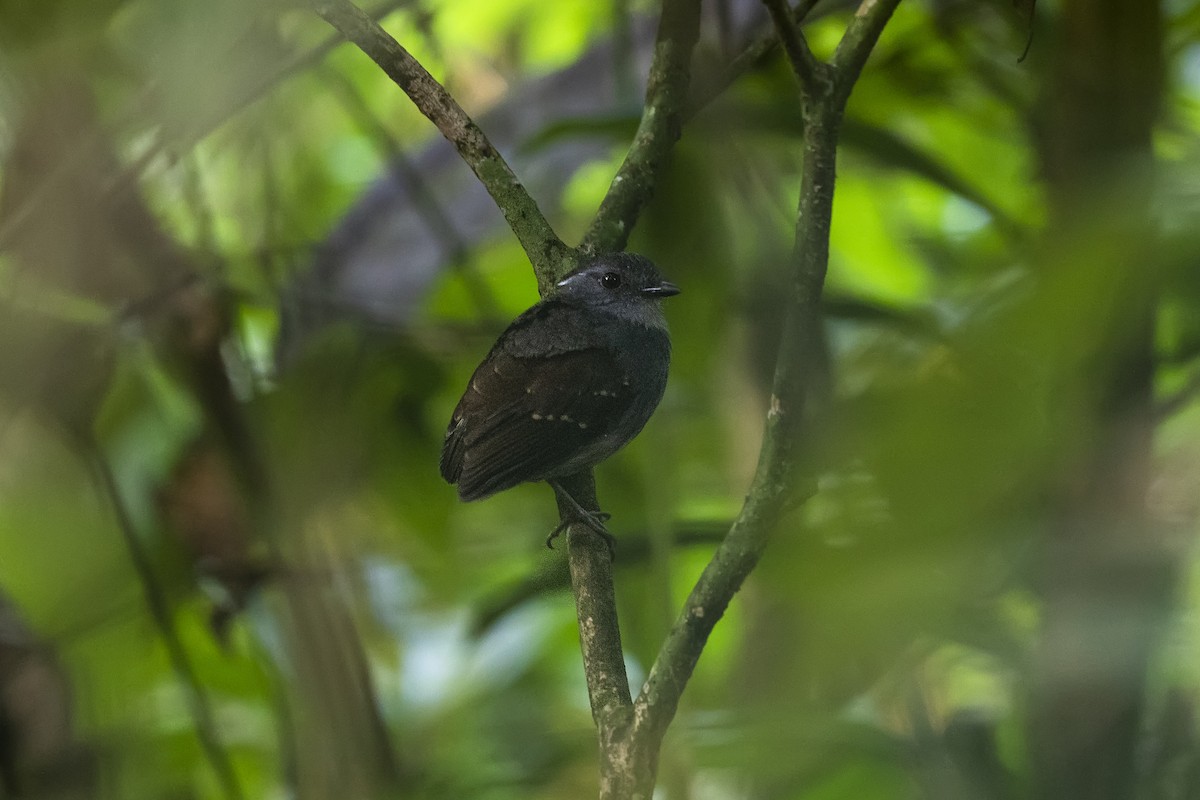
column 892, row 644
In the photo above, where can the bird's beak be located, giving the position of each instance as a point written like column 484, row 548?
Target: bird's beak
column 664, row 289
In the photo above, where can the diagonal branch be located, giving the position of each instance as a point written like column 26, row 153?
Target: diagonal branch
column 777, row 482
column 659, row 129
column 794, row 44
column 755, row 53
column 733, row 561
column 549, row 255
column 859, row 40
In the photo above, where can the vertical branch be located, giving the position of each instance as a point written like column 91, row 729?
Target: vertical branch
column 591, row 567
column 625, row 773
column 591, row 578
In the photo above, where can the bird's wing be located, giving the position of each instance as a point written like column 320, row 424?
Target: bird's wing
column 524, row 419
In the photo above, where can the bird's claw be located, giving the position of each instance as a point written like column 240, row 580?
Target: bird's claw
column 592, row 519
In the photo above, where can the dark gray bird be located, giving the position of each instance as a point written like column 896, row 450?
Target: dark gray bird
column 570, row 382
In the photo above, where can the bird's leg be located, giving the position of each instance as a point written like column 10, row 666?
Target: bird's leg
column 593, row 519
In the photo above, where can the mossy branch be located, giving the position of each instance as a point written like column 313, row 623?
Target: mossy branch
column 824, row 89
column 659, row 129
column 631, row 729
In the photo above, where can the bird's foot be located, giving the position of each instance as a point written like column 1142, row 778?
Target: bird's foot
column 592, row 519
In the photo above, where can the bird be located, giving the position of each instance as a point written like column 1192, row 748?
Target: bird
column 571, row 381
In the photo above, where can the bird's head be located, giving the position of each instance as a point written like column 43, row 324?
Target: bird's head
column 622, row 284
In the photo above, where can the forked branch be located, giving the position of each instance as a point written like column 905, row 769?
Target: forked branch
column 776, row 484
column 631, row 730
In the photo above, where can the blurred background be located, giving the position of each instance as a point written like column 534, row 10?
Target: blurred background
column 243, row 283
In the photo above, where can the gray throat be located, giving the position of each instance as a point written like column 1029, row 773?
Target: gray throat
column 644, row 313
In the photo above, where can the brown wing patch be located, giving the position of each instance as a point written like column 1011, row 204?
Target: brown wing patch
column 524, row 419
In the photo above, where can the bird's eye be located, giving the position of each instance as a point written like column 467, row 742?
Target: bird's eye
column 611, row 280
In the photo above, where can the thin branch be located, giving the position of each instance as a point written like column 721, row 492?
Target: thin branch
column 623, row 776
column 753, row 55
column 859, row 40
column 736, row 557
column 160, row 612
column 553, row 574
column 595, row 602
column 776, row 484
column 630, row 738
column 549, row 255
column 803, row 62
column 659, row 129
